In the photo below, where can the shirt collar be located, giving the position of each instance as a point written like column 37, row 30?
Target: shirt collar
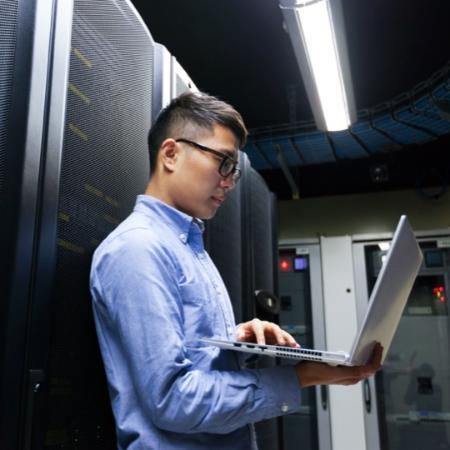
column 181, row 223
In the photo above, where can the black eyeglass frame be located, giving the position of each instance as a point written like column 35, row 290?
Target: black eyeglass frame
column 234, row 170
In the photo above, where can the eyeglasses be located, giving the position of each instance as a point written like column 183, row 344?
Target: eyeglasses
column 228, row 165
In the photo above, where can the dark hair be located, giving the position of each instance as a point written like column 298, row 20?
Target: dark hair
column 195, row 110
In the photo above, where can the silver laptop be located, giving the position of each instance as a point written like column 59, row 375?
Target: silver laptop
column 386, row 304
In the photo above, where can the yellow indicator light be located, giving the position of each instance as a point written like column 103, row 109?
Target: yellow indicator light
column 111, row 219
column 79, row 94
column 82, row 58
column 83, row 136
column 64, row 217
column 93, row 190
column 71, row 247
column 112, row 201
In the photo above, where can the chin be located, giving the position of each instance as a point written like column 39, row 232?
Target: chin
column 207, row 215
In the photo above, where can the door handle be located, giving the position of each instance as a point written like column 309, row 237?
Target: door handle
column 324, row 397
column 35, row 380
column 367, row 396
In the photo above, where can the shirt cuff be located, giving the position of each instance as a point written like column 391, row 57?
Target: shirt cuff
column 280, row 390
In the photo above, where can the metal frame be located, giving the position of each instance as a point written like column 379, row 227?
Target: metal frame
column 369, row 388
column 162, row 84
column 166, row 69
column 29, row 98
column 317, row 308
column 179, row 72
column 46, row 249
column 420, row 234
column 346, row 406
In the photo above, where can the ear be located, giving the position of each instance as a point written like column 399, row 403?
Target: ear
column 168, row 154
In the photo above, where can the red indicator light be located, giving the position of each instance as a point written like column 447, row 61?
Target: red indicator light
column 285, row 265
column 438, row 292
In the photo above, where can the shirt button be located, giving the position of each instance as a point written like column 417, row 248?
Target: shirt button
column 284, row 408
column 183, row 237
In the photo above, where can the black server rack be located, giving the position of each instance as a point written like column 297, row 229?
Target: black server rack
column 263, row 237
column 248, row 281
column 223, row 239
column 76, row 84
column 77, row 108
column 261, row 234
column 242, row 241
column 259, row 246
column 19, row 170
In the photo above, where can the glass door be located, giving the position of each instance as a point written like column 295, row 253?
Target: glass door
column 301, row 315
column 413, row 388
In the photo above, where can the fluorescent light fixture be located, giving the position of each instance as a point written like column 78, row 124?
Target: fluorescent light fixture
column 316, row 29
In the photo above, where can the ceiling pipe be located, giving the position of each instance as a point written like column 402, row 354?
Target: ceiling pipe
column 286, row 172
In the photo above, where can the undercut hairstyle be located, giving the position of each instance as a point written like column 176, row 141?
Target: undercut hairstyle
column 195, row 113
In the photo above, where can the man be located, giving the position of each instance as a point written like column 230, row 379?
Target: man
column 156, row 292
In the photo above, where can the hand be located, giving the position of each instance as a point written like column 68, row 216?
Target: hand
column 264, row 332
column 312, row 373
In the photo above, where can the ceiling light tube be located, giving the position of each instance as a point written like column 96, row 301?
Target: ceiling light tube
column 316, row 29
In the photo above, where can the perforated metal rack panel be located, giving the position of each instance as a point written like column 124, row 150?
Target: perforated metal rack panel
column 10, row 166
column 257, row 244
column 248, row 298
column 261, row 237
column 104, row 166
column 8, row 22
column 261, row 234
column 274, row 231
column 223, row 239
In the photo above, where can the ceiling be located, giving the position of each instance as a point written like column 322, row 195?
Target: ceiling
column 239, row 51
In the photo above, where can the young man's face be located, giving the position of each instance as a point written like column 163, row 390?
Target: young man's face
column 198, row 189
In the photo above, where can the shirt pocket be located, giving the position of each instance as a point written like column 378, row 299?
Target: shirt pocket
column 200, row 311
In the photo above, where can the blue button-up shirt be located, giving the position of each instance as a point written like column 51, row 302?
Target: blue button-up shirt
column 155, row 293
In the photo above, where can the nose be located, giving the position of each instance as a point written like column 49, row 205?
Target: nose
column 227, row 183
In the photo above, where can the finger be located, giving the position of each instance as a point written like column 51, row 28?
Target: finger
column 376, row 357
column 290, row 339
column 278, row 333
column 244, row 332
column 372, row 365
column 240, row 333
column 275, row 334
column 258, row 330
column 272, row 333
column 371, row 368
